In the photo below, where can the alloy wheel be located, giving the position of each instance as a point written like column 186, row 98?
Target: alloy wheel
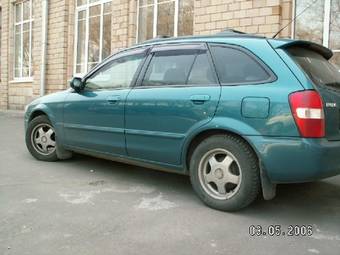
column 43, row 139
column 220, row 174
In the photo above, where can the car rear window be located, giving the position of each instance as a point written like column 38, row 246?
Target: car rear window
column 237, row 67
column 316, row 67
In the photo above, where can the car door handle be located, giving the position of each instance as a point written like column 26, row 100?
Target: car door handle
column 113, row 99
column 199, row 99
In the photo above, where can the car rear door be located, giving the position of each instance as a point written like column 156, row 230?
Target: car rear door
column 177, row 92
column 326, row 79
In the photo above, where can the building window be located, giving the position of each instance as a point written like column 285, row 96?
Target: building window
column 164, row 17
column 0, row 40
column 325, row 26
column 93, row 33
column 23, row 39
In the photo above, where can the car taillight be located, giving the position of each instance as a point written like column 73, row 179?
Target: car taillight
column 307, row 109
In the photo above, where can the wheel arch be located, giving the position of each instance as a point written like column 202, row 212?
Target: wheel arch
column 36, row 113
column 268, row 188
column 204, row 134
column 43, row 109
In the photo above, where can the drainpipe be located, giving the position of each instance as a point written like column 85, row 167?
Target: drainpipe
column 44, row 25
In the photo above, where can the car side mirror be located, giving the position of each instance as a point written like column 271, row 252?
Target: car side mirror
column 77, row 84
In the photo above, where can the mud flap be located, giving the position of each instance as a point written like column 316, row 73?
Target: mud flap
column 61, row 152
column 268, row 188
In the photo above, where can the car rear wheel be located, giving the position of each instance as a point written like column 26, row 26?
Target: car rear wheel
column 224, row 173
column 41, row 139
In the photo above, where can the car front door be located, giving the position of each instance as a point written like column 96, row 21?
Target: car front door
column 177, row 92
column 94, row 117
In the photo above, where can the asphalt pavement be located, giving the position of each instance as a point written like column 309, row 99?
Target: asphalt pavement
column 93, row 206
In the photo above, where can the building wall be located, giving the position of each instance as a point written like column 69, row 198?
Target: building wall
column 263, row 17
column 57, row 47
column 16, row 94
column 124, row 24
column 4, row 55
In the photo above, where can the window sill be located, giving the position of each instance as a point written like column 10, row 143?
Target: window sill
column 22, row 80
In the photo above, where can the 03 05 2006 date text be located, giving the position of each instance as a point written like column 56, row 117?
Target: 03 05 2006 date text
column 279, row 230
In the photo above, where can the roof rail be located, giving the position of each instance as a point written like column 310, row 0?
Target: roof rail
column 236, row 33
column 163, row 36
column 230, row 31
column 158, row 37
column 225, row 33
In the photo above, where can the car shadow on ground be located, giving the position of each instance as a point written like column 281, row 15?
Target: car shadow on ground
column 304, row 201
column 115, row 171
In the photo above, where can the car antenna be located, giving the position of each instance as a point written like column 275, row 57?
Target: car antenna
column 296, row 16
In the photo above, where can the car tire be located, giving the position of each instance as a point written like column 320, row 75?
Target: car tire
column 41, row 139
column 224, row 172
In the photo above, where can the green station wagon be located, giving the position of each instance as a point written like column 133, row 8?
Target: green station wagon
column 238, row 113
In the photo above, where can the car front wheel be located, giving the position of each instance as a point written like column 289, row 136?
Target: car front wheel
column 41, row 139
column 224, row 173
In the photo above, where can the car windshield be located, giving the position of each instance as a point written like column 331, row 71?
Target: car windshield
column 319, row 70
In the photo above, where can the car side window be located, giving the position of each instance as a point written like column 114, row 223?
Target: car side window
column 237, row 67
column 202, row 72
column 179, row 68
column 168, row 68
column 118, row 73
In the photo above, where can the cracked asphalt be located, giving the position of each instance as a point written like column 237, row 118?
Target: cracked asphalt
column 93, row 206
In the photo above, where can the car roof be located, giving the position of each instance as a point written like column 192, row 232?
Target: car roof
column 236, row 36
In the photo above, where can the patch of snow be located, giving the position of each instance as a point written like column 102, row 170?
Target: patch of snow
column 212, row 244
column 325, row 237
column 25, row 229
column 155, row 203
column 85, row 197
column 30, row 200
column 82, row 197
column 315, row 251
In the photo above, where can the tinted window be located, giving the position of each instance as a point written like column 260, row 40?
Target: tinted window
column 201, row 72
column 235, row 67
column 165, row 69
column 117, row 74
column 179, row 68
column 319, row 70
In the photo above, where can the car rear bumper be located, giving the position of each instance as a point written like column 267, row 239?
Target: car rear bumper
column 288, row 160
